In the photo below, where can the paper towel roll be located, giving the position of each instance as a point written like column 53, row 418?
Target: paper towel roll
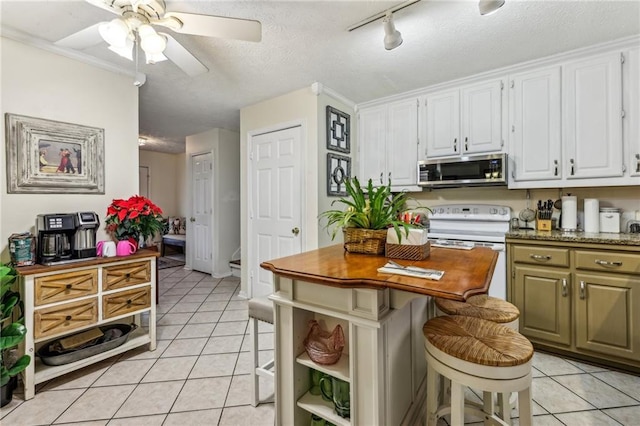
column 570, row 213
column 591, row 215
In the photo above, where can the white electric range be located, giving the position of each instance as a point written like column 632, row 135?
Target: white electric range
column 465, row 226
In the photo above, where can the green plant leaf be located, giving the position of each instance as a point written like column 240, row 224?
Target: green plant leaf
column 19, row 365
column 12, row 335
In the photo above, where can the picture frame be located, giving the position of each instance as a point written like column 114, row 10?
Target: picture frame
column 338, row 130
column 53, row 157
column 338, row 169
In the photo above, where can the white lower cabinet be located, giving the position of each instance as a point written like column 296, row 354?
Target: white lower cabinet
column 383, row 359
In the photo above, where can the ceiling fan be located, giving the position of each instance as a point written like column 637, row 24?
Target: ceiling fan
column 134, row 26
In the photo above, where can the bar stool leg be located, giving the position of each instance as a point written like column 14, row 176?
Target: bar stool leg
column 457, row 404
column 504, row 407
column 255, row 378
column 432, row 395
column 524, row 407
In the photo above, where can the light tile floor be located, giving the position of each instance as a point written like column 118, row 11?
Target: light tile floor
column 199, row 374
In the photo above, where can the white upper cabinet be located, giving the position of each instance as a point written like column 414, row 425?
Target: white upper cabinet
column 388, row 141
column 443, row 124
column 534, row 121
column 466, row 120
column 481, row 117
column 372, row 137
column 592, row 117
column 631, row 104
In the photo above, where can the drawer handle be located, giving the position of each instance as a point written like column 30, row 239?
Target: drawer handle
column 607, row 263
column 564, row 287
column 582, row 285
column 127, row 276
column 68, row 286
column 129, row 302
column 67, row 318
column 540, row 256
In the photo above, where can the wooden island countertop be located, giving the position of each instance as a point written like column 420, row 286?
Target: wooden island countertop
column 467, row 272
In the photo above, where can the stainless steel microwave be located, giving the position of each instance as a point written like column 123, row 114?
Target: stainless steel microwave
column 477, row 170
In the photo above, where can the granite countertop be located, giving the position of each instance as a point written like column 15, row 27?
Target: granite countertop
column 577, row 237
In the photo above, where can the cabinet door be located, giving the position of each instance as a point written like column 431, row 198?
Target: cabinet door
column 402, row 143
column 592, row 117
column 607, row 309
column 534, row 118
column 542, row 295
column 481, row 116
column 632, row 109
column 443, row 124
column 372, row 133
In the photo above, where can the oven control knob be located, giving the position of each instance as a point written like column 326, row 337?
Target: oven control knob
column 504, row 212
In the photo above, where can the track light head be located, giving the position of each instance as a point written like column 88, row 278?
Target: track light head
column 487, row 7
column 392, row 37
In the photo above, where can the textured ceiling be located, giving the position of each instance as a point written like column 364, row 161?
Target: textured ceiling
column 306, row 41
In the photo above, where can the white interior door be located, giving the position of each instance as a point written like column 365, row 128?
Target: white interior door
column 275, row 212
column 202, row 212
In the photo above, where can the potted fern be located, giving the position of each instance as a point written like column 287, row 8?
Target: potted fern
column 13, row 333
column 369, row 212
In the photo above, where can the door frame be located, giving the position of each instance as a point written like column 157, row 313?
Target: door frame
column 189, row 243
column 250, row 190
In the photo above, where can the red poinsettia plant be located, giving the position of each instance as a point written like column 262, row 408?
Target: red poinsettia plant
column 133, row 218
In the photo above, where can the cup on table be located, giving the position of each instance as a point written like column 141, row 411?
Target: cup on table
column 315, row 381
column 340, row 394
column 125, row 248
column 106, row 248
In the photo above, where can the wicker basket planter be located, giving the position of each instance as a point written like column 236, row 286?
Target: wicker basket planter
column 361, row 240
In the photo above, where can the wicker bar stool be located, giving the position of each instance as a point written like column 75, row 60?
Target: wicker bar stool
column 481, row 306
column 260, row 309
column 480, row 354
column 490, row 309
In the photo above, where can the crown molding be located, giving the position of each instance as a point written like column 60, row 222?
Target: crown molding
column 318, row 88
column 39, row 43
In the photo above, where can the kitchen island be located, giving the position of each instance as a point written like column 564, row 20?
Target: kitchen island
column 382, row 317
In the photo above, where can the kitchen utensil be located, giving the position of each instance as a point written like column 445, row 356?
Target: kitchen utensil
column 527, row 215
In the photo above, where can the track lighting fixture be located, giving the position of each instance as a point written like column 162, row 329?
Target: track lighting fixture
column 487, row 7
column 392, row 37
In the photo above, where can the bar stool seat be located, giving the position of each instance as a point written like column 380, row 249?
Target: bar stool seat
column 260, row 309
column 481, row 306
column 480, row 354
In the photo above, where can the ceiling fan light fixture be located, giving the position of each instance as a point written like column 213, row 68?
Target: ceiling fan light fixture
column 487, row 7
column 125, row 51
column 150, row 41
column 115, row 32
column 392, row 37
column 153, row 58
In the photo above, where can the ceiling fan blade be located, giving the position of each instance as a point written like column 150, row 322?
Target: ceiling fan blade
column 106, row 5
column 183, row 58
column 218, row 26
column 87, row 37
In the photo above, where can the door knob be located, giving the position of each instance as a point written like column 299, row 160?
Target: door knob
column 295, row 231
column 193, row 219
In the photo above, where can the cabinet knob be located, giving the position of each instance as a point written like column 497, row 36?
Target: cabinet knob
column 67, row 318
column 637, row 163
column 127, row 276
column 564, row 287
column 68, row 286
column 128, row 301
column 455, row 145
column 582, row 290
column 555, row 167
column 381, row 173
column 466, row 144
column 572, row 163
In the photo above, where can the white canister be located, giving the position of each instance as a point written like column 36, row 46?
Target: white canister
column 591, row 215
column 610, row 219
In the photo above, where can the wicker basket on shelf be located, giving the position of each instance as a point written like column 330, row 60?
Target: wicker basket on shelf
column 362, row 240
column 409, row 252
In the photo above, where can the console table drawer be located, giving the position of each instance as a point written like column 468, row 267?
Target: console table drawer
column 125, row 302
column 71, row 285
column 66, row 317
column 121, row 276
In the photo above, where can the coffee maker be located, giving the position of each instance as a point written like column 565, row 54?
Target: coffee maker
column 84, row 242
column 65, row 237
column 55, row 237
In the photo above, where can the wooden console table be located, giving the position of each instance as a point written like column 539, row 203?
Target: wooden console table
column 61, row 300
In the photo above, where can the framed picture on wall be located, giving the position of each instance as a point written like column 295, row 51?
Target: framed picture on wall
column 49, row 157
column 338, row 169
column 338, row 129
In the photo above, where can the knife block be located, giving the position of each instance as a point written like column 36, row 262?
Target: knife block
column 543, row 224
